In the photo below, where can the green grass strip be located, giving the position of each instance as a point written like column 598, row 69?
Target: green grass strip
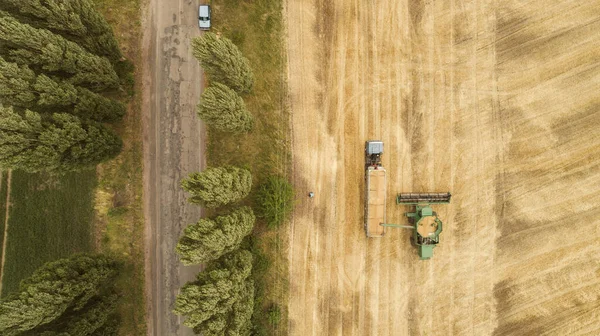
column 256, row 27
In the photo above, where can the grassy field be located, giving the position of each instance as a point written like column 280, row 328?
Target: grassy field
column 256, row 28
column 119, row 226
column 50, row 218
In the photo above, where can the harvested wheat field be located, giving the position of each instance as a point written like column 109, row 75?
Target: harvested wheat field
column 497, row 102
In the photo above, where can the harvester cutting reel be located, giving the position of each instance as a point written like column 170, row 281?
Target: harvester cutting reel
column 426, row 225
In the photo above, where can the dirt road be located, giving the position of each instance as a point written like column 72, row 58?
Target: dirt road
column 173, row 148
column 495, row 101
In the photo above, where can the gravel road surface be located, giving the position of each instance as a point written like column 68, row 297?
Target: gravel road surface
column 173, row 148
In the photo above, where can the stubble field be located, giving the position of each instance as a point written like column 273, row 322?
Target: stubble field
column 495, row 101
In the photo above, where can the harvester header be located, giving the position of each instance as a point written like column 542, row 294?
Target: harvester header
column 423, row 198
column 425, row 222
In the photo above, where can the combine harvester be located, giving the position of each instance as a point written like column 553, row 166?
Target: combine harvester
column 424, row 221
column 426, row 225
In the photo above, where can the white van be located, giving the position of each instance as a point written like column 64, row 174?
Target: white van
column 204, row 17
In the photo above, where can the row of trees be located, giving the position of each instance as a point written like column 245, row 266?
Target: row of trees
column 61, row 142
column 68, row 297
column 20, row 86
column 58, row 61
column 44, row 50
column 76, row 19
column 221, row 300
column 220, row 106
column 210, row 238
column 57, row 64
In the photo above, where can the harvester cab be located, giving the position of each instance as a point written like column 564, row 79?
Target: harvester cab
column 425, row 224
column 373, row 150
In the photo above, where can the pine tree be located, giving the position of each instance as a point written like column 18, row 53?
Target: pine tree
column 19, row 86
column 222, row 108
column 52, row 14
column 53, row 289
column 239, row 320
column 209, row 239
column 83, row 322
column 218, row 186
column 235, row 322
column 53, row 93
column 217, row 302
column 15, row 84
column 63, row 143
column 110, row 328
column 223, row 62
column 24, row 44
column 76, row 20
column 100, row 38
column 96, row 107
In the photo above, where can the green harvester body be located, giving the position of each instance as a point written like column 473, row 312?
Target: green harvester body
column 426, row 225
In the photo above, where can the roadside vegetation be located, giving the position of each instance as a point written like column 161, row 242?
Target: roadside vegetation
column 275, row 201
column 218, row 186
column 256, row 28
column 119, row 228
column 221, row 299
column 224, row 110
column 248, row 126
column 72, row 64
column 210, row 238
